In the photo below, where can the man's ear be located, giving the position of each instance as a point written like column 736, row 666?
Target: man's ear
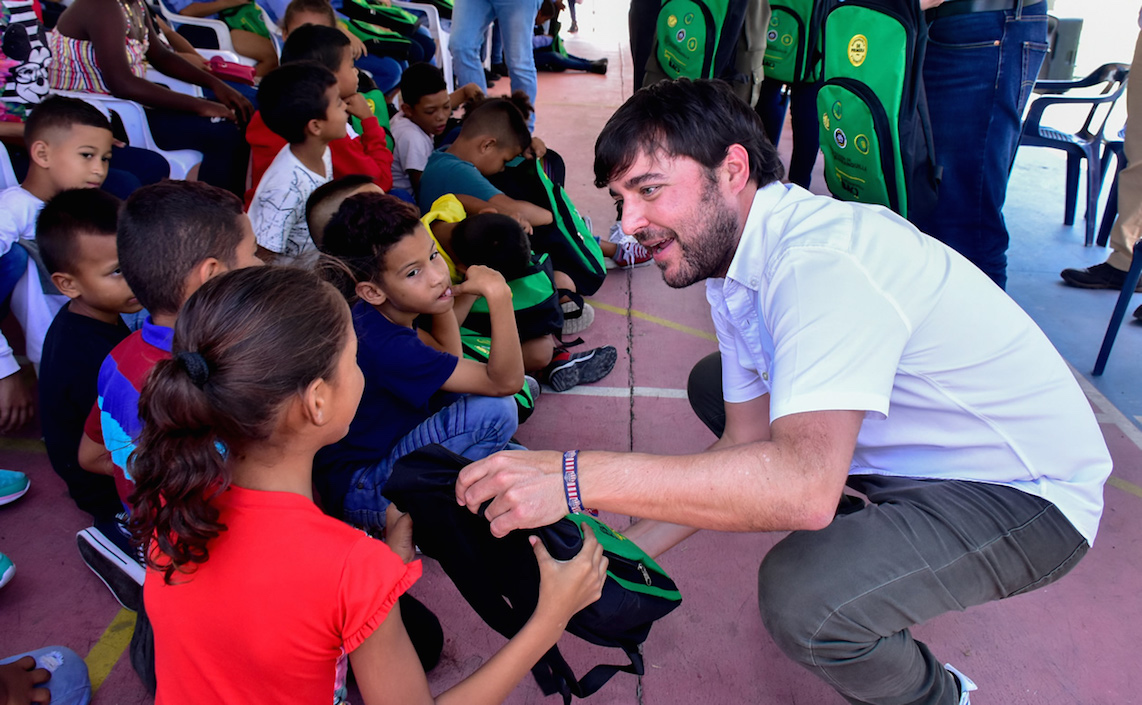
column 66, row 284
column 40, row 153
column 370, row 292
column 735, row 167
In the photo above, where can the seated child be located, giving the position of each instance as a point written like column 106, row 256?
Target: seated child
column 326, row 199
column 385, row 70
column 76, row 234
column 366, row 153
column 425, row 107
column 302, row 103
column 497, row 241
column 391, row 265
column 173, row 236
column 248, row 31
column 69, row 143
column 233, row 620
column 494, row 132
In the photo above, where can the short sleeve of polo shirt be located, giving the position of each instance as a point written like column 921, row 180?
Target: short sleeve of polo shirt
column 373, row 578
column 831, row 352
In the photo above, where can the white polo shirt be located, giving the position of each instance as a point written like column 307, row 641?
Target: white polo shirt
column 830, row 305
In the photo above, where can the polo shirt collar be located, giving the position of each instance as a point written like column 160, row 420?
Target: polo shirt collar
column 749, row 262
column 156, row 335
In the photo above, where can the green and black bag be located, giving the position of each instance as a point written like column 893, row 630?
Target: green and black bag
column 397, row 19
column 534, row 298
column 380, row 41
column 478, row 347
column 688, row 34
column 875, row 134
column 573, row 249
column 793, row 41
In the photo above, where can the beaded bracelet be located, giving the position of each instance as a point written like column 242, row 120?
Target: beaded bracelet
column 571, row 481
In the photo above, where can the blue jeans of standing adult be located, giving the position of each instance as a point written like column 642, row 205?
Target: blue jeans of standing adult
column 472, row 426
column 470, row 20
column 978, row 73
column 69, row 684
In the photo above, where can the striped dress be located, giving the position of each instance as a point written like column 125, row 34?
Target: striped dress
column 74, row 67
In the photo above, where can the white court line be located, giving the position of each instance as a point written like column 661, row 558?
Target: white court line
column 623, row 392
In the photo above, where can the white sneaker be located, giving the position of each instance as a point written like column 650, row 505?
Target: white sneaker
column 967, row 685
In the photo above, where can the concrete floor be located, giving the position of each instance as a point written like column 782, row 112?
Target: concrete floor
column 1072, row 642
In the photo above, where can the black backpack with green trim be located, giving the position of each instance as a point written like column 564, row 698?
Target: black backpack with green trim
column 793, row 41
column 573, row 249
column 500, row 578
column 534, row 298
column 380, row 41
column 875, row 134
column 394, row 18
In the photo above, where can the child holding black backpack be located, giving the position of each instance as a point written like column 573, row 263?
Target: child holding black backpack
column 234, row 621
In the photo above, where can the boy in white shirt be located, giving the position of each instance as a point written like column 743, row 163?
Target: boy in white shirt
column 69, row 146
column 425, row 107
column 302, row 103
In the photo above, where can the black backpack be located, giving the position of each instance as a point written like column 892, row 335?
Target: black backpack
column 500, row 578
column 875, row 134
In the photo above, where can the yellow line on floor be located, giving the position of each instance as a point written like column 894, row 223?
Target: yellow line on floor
column 23, row 445
column 1124, row 485
column 106, row 652
column 653, row 319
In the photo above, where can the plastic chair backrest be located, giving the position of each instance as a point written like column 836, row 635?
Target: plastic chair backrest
column 7, row 176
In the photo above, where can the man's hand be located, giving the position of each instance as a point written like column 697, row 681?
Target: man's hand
column 19, row 681
column 17, row 405
column 359, row 107
column 527, row 487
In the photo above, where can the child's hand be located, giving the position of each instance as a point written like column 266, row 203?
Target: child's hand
column 358, row 107
column 20, row 682
column 398, row 533
column 482, row 281
column 536, row 149
column 565, row 587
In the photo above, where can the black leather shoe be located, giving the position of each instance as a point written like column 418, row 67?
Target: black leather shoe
column 1100, row 276
column 1138, row 313
column 599, row 67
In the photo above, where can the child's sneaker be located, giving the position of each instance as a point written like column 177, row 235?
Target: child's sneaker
column 106, row 551
column 569, row 369
column 13, row 485
column 577, row 319
column 965, row 684
column 7, row 570
column 631, row 255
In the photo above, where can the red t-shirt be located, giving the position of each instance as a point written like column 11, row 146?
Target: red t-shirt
column 368, row 154
column 286, row 594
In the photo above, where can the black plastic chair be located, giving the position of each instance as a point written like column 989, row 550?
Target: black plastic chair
column 1084, row 144
column 1117, row 147
column 1123, row 303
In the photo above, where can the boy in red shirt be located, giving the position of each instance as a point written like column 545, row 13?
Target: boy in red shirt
column 366, row 153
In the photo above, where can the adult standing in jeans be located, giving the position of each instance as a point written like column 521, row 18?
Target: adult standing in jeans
column 981, row 63
column 470, row 20
column 854, row 350
column 1111, row 274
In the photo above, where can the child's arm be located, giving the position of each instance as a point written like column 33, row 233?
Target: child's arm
column 372, row 156
column 93, row 457
column 530, row 212
column 445, row 334
column 389, row 672
column 503, row 373
column 463, row 94
column 205, row 9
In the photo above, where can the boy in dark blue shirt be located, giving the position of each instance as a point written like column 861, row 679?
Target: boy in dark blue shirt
column 418, row 388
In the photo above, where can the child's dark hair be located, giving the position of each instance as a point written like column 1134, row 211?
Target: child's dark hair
column 502, row 118
column 316, row 7
column 313, row 42
column 58, row 112
column 293, row 94
column 167, row 229
column 217, row 396
column 361, row 233
column 71, row 213
column 328, row 191
column 419, row 80
column 493, row 240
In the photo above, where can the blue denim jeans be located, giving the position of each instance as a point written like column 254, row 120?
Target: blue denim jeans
column 13, row 264
column 472, row 426
column 978, row 74
column 69, row 684
column 470, row 20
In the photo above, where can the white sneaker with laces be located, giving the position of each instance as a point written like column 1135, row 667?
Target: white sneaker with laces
column 967, row 685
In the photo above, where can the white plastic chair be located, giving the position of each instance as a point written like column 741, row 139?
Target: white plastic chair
column 221, row 33
column 443, row 56
column 7, row 176
column 134, row 119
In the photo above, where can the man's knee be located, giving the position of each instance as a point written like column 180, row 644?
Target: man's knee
column 790, row 590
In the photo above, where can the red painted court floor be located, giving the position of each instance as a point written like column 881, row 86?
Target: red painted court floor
column 1073, row 642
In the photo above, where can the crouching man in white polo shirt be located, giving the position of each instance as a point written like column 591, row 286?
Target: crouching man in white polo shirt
column 854, row 351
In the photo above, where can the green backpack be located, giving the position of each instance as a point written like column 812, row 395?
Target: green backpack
column 793, row 42
column 875, row 135
column 688, row 34
column 380, row 41
column 478, row 347
column 394, row 18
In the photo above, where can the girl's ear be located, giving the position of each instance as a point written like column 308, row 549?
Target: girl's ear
column 371, row 293
column 315, row 402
